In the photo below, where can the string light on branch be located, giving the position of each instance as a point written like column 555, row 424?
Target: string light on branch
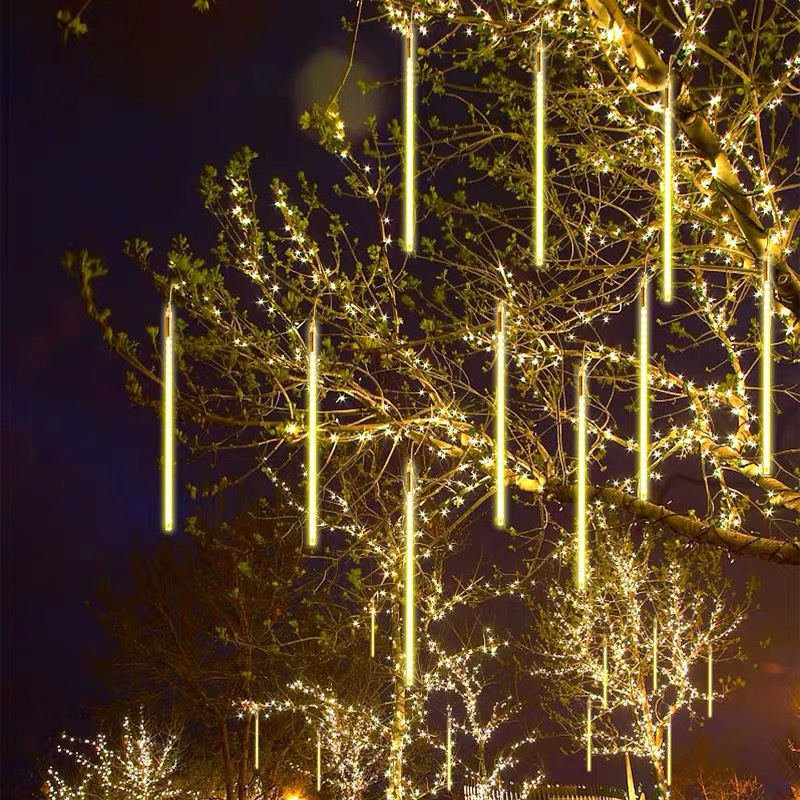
column 409, row 611
column 582, row 470
column 313, row 396
column 409, row 134
column 539, row 155
column 667, row 189
column 168, row 422
column 500, row 420
column 644, row 404
column 766, row 368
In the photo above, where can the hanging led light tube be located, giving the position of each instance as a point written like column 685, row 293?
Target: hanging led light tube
column 409, row 609
column 605, row 674
column 255, row 746
column 766, row 368
column 655, row 654
column 372, row 629
column 168, row 422
column 319, row 761
column 409, row 176
column 540, row 156
column 710, row 683
column 669, row 751
column 583, row 468
column 500, row 421
column 644, row 398
column 667, row 188
column 449, row 757
column 313, row 395
column 589, row 735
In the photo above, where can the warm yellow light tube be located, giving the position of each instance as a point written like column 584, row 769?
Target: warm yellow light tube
column 644, row 397
column 669, row 752
column 589, row 735
column 319, row 761
column 313, row 393
column 500, row 421
column 449, row 762
column 372, row 629
column 655, row 653
column 256, row 748
column 766, row 370
column 582, row 469
column 410, row 609
column 605, row 675
column 168, row 433
column 667, row 194
column 409, row 132
column 540, row 156
column 710, row 683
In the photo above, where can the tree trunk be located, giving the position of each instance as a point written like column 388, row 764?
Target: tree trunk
column 226, row 760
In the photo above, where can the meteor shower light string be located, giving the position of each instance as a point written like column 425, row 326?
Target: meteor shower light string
column 589, row 735
column 582, row 469
column 605, row 674
column 644, row 410
column 319, row 761
column 540, row 156
column 168, row 414
column 500, row 421
column 669, row 752
column 372, row 629
column 766, row 369
column 655, row 654
column 667, row 190
column 409, row 199
column 255, row 758
column 710, row 683
column 311, row 536
column 410, row 610
column 449, row 762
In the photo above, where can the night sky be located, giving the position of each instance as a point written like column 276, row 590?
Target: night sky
column 104, row 140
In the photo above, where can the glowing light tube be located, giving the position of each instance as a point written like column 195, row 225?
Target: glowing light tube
column 410, row 609
column 655, row 653
column 644, row 400
column 666, row 245
column 766, row 370
column 710, row 683
column 256, row 748
column 313, row 393
column 669, row 752
column 372, row 629
column 409, row 176
column 540, row 156
column 605, row 675
column 319, row 761
column 589, row 735
column 449, row 761
column 582, row 475
column 500, row 421
column 168, row 421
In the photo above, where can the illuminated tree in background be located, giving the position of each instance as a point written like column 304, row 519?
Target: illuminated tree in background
column 631, row 586
column 142, row 764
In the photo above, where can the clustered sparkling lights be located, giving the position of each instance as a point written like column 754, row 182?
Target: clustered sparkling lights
column 168, row 423
column 500, row 421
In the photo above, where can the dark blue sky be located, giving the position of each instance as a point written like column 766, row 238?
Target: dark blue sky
column 104, row 140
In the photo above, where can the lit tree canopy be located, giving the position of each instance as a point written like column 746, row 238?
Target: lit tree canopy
column 406, row 340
